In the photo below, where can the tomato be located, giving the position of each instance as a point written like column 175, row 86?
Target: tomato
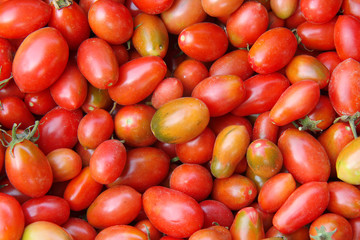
column 257, row 179
column 79, row 229
column 47, row 208
column 6, row 59
column 306, row 67
column 168, row 89
column 190, row 72
column 14, row 111
column 344, row 199
column 82, row 190
column 115, row 206
column 193, row 180
column 296, row 19
column 264, row 158
column 96, row 98
column 355, row 224
column 264, row 128
column 11, row 89
column 153, row 7
column 193, row 41
column 273, row 50
column 275, row 21
column 45, row 60
column 300, row 234
column 275, row 191
column 132, row 124
column 211, row 233
column 148, row 228
column 26, row 17
column 88, row 130
column 11, row 218
column 351, row 7
column 304, row 157
column 110, row 21
column 180, row 120
column 246, row 24
column 247, row 225
column 86, row 4
column 65, row 164
column 144, row 167
column 303, row 206
column 39, row 103
column 332, row 226
column 318, row 11
column 220, row 93
column 9, row 189
column 345, row 37
column 216, row 213
column 72, row 22
column 283, row 9
column 217, row 124
column 137, row 79
column 121, row 232
column 46, row 231
column 229, row 149
column 266, row 217
column 150, row 36
column 287, row 108
column 235, row 192
column 84, row 153
column 262, row 92
column 317, row 36
column 97, row 62
column 232, row 63
column 329, row 59
column 172, row 212
column 182, row 14
column 334, row 139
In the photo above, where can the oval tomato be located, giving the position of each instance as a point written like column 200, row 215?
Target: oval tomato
column 348, row 164
column 318, row 11
column 167, row 90
column 45, row 230
column 332, row 226
column 121, row 232
column 247, row 225
column 216, row 212
column 79, row 229
column 153, row 7
column 12, row 220
column 148, row 228
column 39, row 103
column 65, row 164
column 212, row 233
column 14, row 111
column 264, row 128
column 283, row 9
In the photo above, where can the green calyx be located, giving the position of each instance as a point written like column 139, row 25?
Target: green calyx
column 309, row 124
column 322, row 234
column 59, row 4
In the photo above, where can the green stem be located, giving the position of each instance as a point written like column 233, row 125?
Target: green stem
column 353, row 127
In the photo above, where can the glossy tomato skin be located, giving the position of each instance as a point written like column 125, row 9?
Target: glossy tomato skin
column 229, row 149
column 137, row 79
column 193, row 41
column 304, row 157
column 283, row 9
column 287, row 108
column 303, row 206
column 145, row 167
column 317, row 11
column 110, row 21
column 45, row 60
column 344, row 199
column 72, row 22
column 39, row 103
column 344, row 99
column 220, row 93
column 121, row 232
column 180, row 120
column 59, row 125
column 300, row 234
column 355, row 224
column 150, row 36
column 10, row 190
column 217, row 124
column 351, row 7
column 6, row 58
column 97, row 62
column 47, row 208
column 65, row 164
column 153, row 7
column 246, row 24
column 13, row 110
column 115, row 206
column 11, row 89
column 272, row 50
column 264, row 128
column 220, row 8
column 347, row 47
column 79, row 229
column 331, row 222
column 12, row 218
column 39, row 229
column 28, row 169
column 247, row 225
column 186, row 215
column 132, row 124
column 96, row 98
column 26, row 17
column 88, row 132
column 216, row 211
column 168, row 89
column 148, row 228
column 212, row 233
column 262, row 92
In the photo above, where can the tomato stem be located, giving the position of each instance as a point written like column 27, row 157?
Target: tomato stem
column 59, row 4
column 353, row 127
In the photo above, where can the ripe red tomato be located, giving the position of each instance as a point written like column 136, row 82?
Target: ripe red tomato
column 121, row 232
column 12, row 220
column 212, row 233
column 318, row 11
column 264, row 128
column 13, row 110
column 148, row 228
column 216, row 212
column 330, row 225
column 79, row 229
column 168, row 89
column 39, row 103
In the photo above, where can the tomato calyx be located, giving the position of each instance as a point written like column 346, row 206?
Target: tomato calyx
column 309, row 124
column 28, row 134
column 59, row 4
column 351, row 119
column 322, row 234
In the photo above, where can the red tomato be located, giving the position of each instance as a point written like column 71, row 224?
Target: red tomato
column 108, row 161
column 168, row 89
column 331, row 226
column 121, row 232
column 111, row 21
column 11, row 89
column 329, row 59
column 12, row 220
column 272, row 50
column 351, row 7
column 14, row 111
column 217, row 124
column 216, row 213
column 194, row 41
column 220, row 93
column 21, row 17
column 265, row 216
column 148, row 228
column 45, row 60
column 287, row 108
column 10, row 190
column 138, row 79
column 304, row 157
column 300, row 234
column 220, row 8
column 39, row 103
column 6, row 58
column 355, row 225
column 262, row 92
column 79, row 229
column 303, row 206
column 246, row 24
column 65, row 164
column 296, row 19
column 211, row 233
column 264, row 128
column 319, row 11
column 275, row 21
column 172, row 212
column 247, row 225
column 153, row 7
column 96, row 98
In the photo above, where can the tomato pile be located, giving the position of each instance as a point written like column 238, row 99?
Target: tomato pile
column 179, row 119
